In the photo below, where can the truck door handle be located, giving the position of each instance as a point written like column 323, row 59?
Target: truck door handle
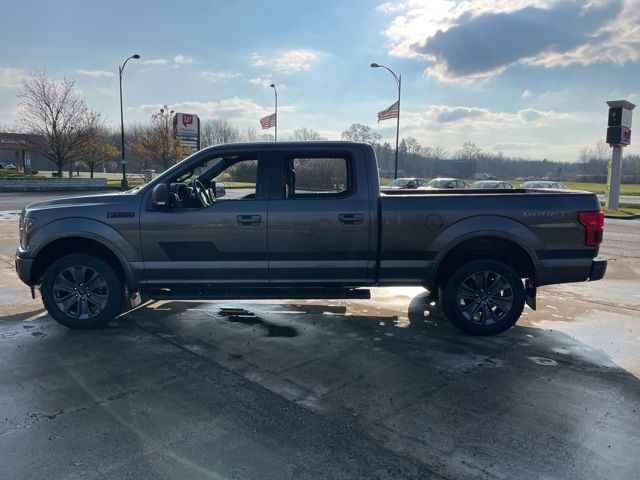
column 248, row 220
column 351, row 219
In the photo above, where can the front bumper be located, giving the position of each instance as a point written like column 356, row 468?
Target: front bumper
column 23, row 269
column 598, row 269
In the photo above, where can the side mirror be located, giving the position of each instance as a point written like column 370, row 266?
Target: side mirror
column 218, row 189
column 160, row 196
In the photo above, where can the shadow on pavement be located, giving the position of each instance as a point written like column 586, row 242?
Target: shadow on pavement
column 528, row 403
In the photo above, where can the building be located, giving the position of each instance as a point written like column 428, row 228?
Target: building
column 14, row 149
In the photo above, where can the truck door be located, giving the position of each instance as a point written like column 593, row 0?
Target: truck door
column 222, row 243
column 319, row 223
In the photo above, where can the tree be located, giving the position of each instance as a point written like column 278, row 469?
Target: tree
column 594, row 160
column 60, row 123
column 469, row 151
column 157, row 143
column 218, row 131
column 305, row 134
column 97, row 151
column 411, row 146
column 358, row 132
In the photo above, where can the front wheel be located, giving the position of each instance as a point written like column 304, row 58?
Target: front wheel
column 483, row 297
column 82, row 291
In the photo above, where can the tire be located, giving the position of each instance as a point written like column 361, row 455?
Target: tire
column 82, row 291
column 483, row 297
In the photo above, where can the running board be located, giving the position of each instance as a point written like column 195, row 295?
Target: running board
column 258, row 293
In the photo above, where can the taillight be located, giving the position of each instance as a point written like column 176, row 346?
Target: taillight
column 593, row 223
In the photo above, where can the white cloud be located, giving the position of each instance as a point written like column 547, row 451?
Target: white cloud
column 154, row 61
column 450, row 126
column 526, row 94
column 545, row 33
column 107, row 92
column 241, row 110
column 12, row 77
column 96, row 73
column 390, row 7
column 183, row 59
column 220, row 75
column 289, row 61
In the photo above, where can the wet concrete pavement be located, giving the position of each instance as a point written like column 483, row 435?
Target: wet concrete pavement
column 385, row 388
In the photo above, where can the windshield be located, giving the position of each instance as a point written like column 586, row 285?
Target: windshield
column 485, row 185
column 399, row 182
column 438, row 183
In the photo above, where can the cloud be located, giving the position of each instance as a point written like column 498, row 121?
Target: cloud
column 476, row 118
column 241, row 110
column 289, row 61
column 467, row 40
column 154, row 61
column 220, row 75
column 107, row 92
column 12, row 77
column 390, row 7
column 526, row 94
column 96, row 73
column 182, row 59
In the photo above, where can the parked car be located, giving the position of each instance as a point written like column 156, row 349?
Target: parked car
column 544, row 184
column 520, row 179
column 446, row 183
column 315, row 225
column 405, row 183
column 492, row 184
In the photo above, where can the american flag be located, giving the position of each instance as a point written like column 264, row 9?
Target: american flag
column 268, row 122
column 391, row 112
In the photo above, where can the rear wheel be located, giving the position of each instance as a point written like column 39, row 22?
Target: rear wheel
column 483, row 297
column 82, row 291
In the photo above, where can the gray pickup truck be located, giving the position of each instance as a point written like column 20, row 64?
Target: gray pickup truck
column 308, row 222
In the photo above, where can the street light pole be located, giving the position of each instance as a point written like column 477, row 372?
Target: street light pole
column 398, row 79
column 273, row 85
column 123, row 183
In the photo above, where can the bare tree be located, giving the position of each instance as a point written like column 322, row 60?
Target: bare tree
column 218, row 131
column 305, row 134
column 411, row 146
column 157, row 143
column 60, row 123
column 594, row 160
column 358, row 132
column 469, row 151
column 97, row 151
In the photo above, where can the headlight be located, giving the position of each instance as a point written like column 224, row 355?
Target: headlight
column 24, row 225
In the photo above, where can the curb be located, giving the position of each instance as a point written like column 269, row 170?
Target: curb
column 628, row 217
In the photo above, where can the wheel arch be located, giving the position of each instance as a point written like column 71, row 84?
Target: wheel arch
column 495, row 238
column 74, row 244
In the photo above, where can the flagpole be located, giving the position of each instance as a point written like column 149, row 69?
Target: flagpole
column 273, row 85
column 395, row 173
column 398, row 80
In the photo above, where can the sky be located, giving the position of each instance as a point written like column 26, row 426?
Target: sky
column 528, row 78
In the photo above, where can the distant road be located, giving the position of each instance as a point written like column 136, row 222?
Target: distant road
column 633, row 199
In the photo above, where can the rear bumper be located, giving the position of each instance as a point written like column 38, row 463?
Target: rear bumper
column 23, row 269
column 568, row 270
column 598, row 269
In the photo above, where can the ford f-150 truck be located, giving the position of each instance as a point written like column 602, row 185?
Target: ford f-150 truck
column 310, row 222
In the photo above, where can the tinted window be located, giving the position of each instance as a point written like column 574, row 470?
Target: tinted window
column 319, row 177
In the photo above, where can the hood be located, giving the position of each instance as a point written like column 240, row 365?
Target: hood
column 85, row 206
